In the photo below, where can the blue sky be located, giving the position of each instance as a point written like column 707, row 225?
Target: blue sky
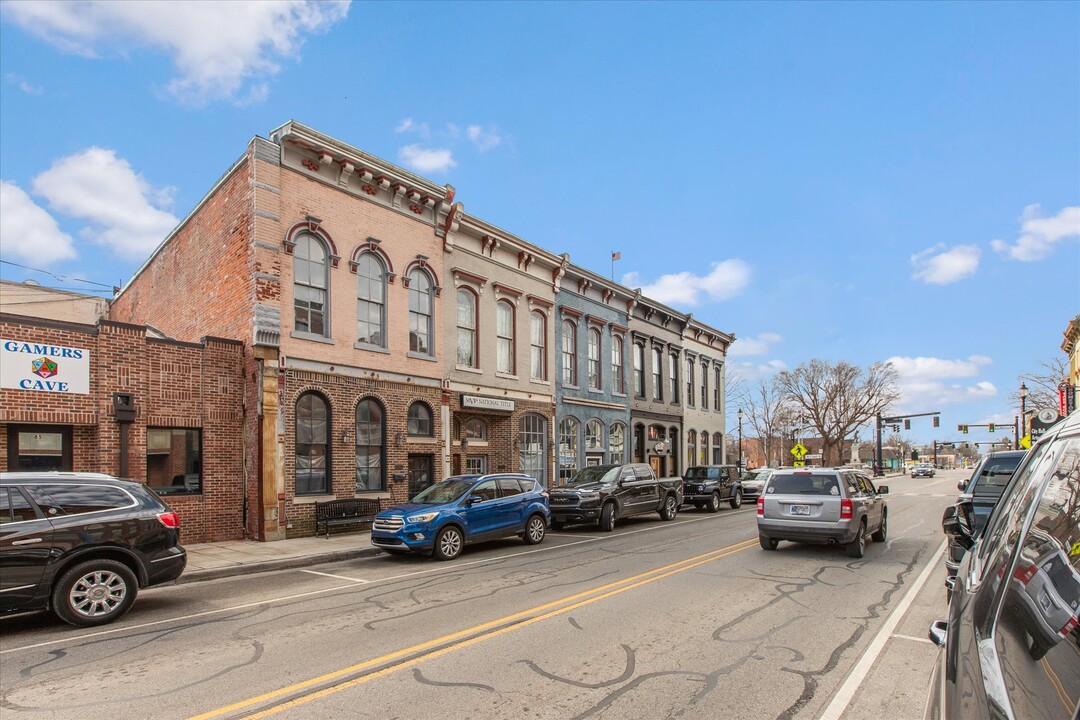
column 859, row 182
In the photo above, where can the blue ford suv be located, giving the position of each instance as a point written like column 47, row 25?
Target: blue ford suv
column 464, row 509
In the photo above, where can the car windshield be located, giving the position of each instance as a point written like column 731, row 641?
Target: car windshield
column 596, row 474
column 803, row 484
column 994, row 475
column 756, row 476
column 703, row 473
column 444, row 492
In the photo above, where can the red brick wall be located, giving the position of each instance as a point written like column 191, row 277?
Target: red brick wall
column 175, row 385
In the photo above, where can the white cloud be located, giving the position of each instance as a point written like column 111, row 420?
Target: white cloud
column 408, row 125
column 938, row 266
column 931, row 382
column 218, row 48
column 916, row 369
column 23, row 84
column 29, row 232
column 760, row 345
column 1039, row 235
column 484, row 140
column 124, row 212
column 724, row 281
column 748, row 372
column 424, row 159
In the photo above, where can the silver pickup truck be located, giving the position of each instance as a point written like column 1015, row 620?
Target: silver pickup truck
column 602, row 494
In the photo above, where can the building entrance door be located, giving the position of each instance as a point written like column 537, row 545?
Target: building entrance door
column 532, row 447
column 654, row 462
column 421, row 473
column 39, row 448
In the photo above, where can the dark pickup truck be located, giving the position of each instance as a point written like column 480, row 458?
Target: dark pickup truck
column 602, row 494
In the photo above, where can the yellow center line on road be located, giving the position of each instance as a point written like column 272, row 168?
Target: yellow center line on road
column 461, row 639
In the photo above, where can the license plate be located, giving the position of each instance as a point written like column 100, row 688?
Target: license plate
column 800, row 509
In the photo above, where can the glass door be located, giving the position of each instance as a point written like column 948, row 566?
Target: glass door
column 532, row 444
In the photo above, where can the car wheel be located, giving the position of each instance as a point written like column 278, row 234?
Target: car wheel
column 736, row 500
column 670, row 509
column 94, row 592
column 607, row 517
column 557, row 526
column 767, row 543
column 857, row 547
column 534, row 530
column 448, row 543
column 714, row 503
column 882, row 531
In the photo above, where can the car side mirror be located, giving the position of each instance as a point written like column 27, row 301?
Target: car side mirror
column 939, row 632
column 882, row 489
column 474, row 499
column 961, row 485
column 955, row 524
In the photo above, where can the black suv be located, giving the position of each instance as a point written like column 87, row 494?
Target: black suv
column 1010, row 645
column 707, row 485
column 82, row 544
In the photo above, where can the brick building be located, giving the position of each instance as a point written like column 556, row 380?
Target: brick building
column 113, row 398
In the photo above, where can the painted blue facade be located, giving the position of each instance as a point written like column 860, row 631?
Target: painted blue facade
column 592, row 407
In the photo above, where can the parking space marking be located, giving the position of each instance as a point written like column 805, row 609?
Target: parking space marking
column 337, row 577
column 898, row 636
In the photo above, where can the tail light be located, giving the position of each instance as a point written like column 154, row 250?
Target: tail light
column 1069, row 626
column 169, row 519
column 1024, row 573
column 761, row 507
column 846, row 510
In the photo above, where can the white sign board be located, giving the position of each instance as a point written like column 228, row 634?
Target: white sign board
column 486, row 403
column 38, row 367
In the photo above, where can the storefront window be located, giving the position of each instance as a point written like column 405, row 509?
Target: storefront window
column 173, row 460
column 312, row 445
column 370, row 440
column 568, row 449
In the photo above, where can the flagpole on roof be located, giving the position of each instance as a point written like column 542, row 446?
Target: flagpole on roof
column 615, row 255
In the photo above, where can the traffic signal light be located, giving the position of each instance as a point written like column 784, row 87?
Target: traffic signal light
column 937, row 421
column 991, row 426
column 963, row 429
column 907, row 424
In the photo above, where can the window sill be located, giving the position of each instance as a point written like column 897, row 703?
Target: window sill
column 371, row 348
column 506, row 376
column 312, row 499
column 421, row 356
column 596, row 391
column 421, row 441
column 300, row 335
column 538, row 381
column 372, row 494
column 469, row 369
column 473, row 444
column 619, row 395
column 570, row 387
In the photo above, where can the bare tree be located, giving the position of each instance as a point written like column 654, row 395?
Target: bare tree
column 1042, row 384
column 837, row 399
column 768, row 413
column 902, row 446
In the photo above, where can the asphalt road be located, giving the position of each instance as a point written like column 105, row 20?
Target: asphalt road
column 688, row 619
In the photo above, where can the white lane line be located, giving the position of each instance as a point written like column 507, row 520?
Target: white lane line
column 337, row 577
column 847, row 691
column 898, row 636
column 352, row 583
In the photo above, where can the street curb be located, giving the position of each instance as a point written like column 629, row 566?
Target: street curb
column 194, row 576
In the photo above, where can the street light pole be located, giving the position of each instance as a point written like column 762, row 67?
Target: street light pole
column 740, row 440
column 1023, row 409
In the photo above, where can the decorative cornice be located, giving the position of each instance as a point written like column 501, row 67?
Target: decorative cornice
column 570, row 311
column 542, row 302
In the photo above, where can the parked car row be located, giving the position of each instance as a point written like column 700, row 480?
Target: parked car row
column 1010, row 647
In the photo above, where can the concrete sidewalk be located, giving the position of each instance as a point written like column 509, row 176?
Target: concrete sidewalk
column 210, row 561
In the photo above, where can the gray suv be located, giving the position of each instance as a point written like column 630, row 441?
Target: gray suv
column 822, row 505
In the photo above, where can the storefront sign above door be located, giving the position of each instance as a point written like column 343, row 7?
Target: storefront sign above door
column 485, row 403
column 38, row 367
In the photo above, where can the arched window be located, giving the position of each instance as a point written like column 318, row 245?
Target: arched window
column 312, row 444
column 310, row 301
column 466, row 328
column 691, row 447
column 370, row 441
column 717, row 448
column 618, row 370
column 673, row 436
column 538, row 350
column 504, row 332
column 594, row 358
column 569, row 353
column 419, row 420
column 673, row 379
column 475, row 429
column 370, row 300
column 657, row 374
column 704, row 448
column 568, row 448
column 594, row 436
column 420, row 312
column 639, row 370
column 704, row 386
column 639, row 443
column 617, row 443
column 718, row 371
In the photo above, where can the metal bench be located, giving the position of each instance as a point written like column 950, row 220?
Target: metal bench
column 335, row 513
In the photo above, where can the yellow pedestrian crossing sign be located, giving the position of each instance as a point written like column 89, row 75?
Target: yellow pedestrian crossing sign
column 1025, row 442
column 798, row 463
column 799, row 450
